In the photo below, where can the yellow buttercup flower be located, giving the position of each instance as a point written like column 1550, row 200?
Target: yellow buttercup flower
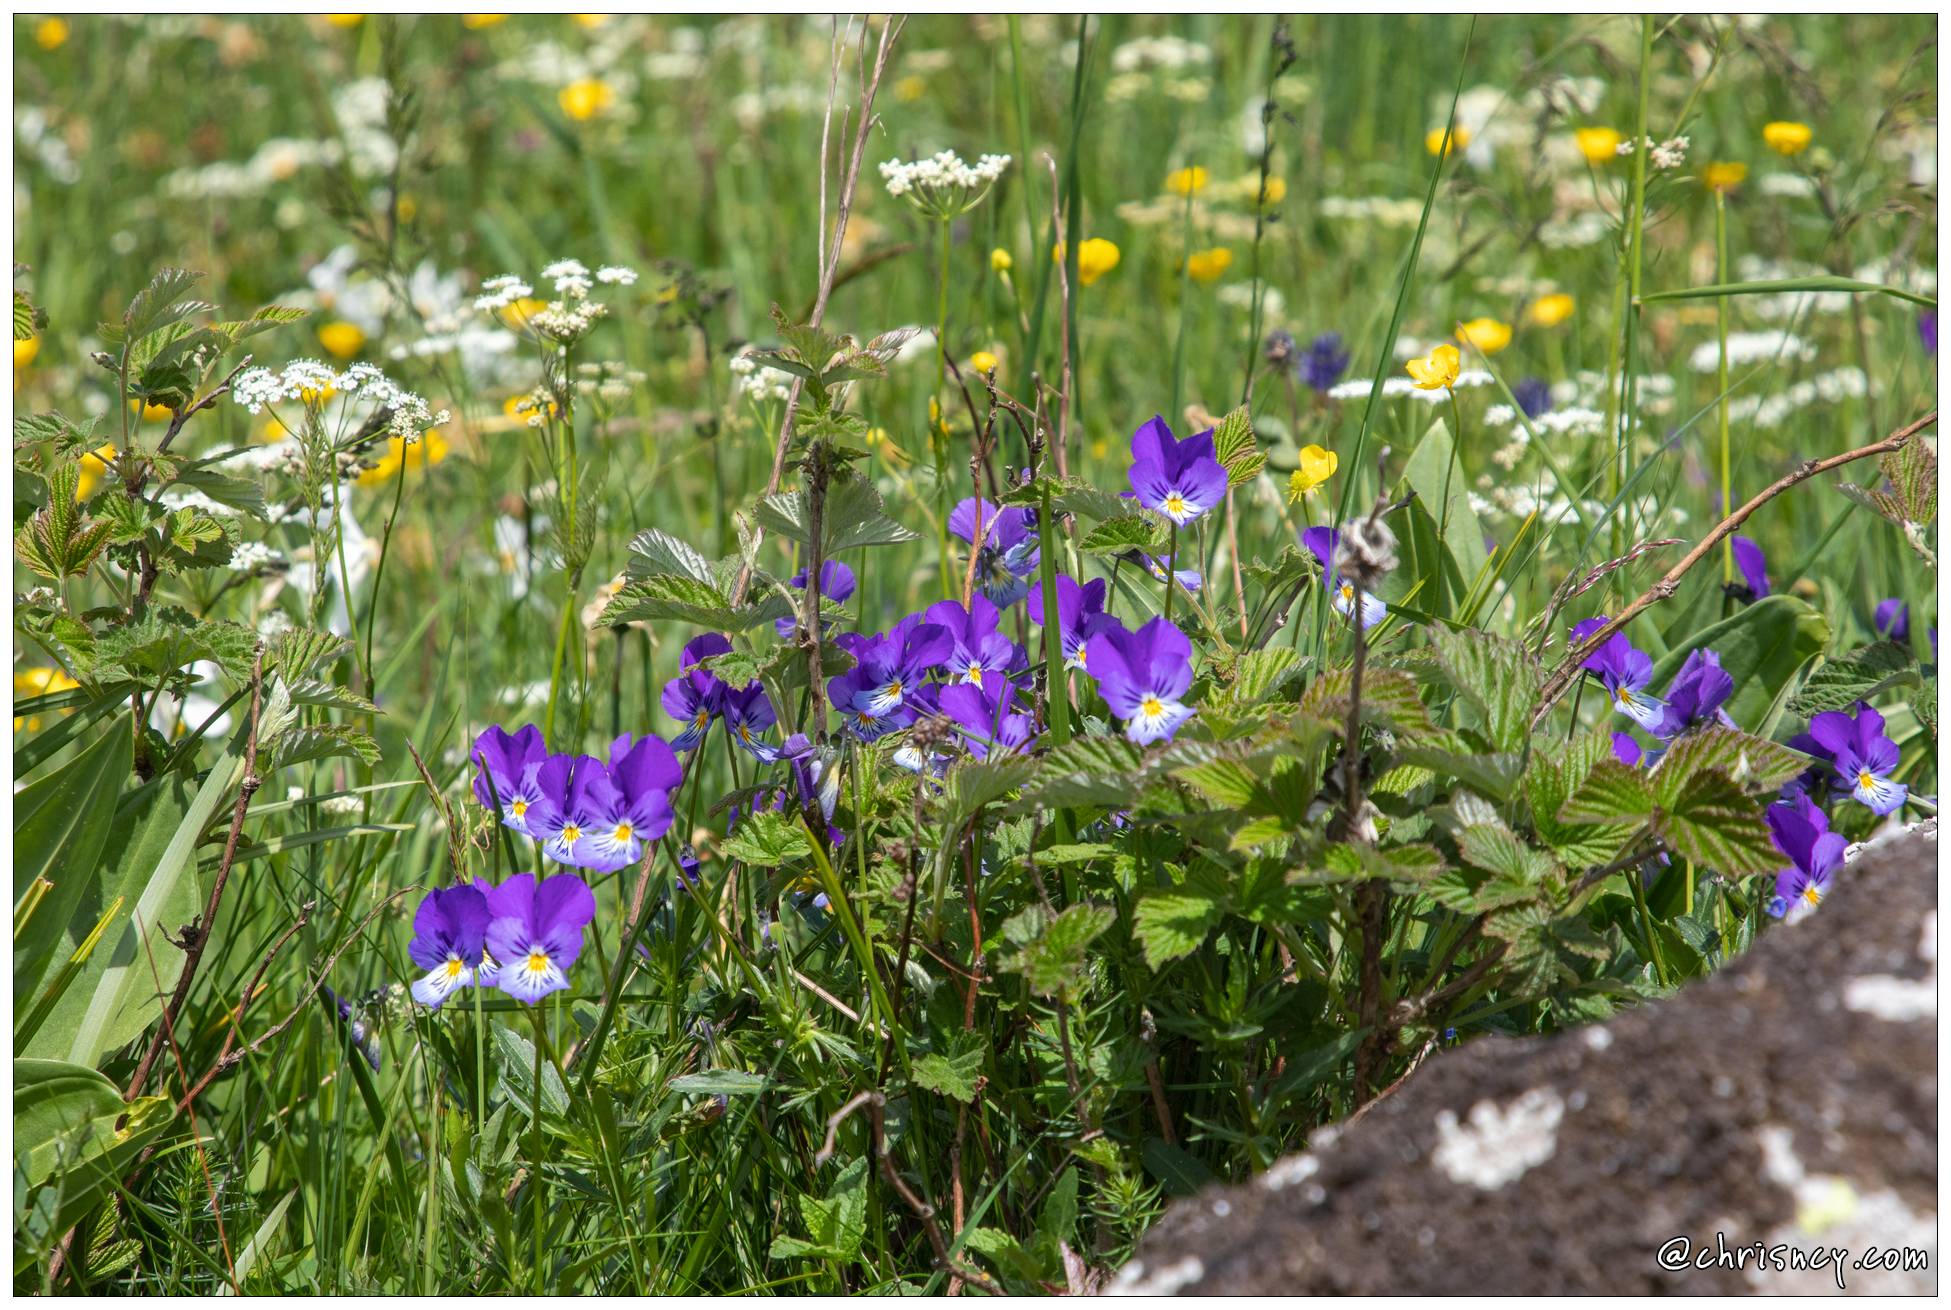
column 585, row 99
column 345, row 20
column 51, row 33
column 1551, row 310
column 1724, row 175
column 1274, row 192
column 910, row 88
column 1186, row 181
column 1095, row 258
column 151, row 412
column 1486, row 334
column 428, row 451
column 517, row 315
column 1599, row 145
column 1787, row 138
column 1000, row 260
column 1459, row 139
column 590, row 20
column 1317, row 466
column 39, row 682
column 1209, row 265
column 341, row 339
column 1437, row 369
column 25, row 350
column 93, row 465
column 984, row 361
column 475, row 22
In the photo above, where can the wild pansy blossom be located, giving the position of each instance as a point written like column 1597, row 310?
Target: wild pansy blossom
column 1800, row 832
column 976, row 647
column 1005, row 542
column 636, row 805
column 1080, row 614
column 695, row 696
column 1142, row 676
column 1695, row 695
column 535, row 932
column 1178, row 478
column 1861, row 755
column 987, row 716
column 1189, row 579
column 449, row 931
column 507, row 765
column 1753, row 567
column 574, row 803
column 837, row 584
column 1321, row 543
column 889, row 667
column 1893, row 620
column 1625, row 670
column 748, row 717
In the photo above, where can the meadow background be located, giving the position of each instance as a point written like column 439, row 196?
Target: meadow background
column 375, row 171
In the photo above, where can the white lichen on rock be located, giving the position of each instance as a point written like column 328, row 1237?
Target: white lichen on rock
column 1498, row 1146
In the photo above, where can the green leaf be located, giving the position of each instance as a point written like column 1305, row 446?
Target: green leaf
column 1508, row 872
column 1235, row 448
column 952, row 1073
column 1171, row 924
column 766, row 839
column 1130, row 531
column 1717, row 825
column 1860, row 676
column 1497, row 676
column 1260, row 673
column 973, row 784
column 1086, row 771
column 1610, row 793
column 1550, row 781
column 66, row 1136
column 657, row 552
column 720, row 1082
column 516, row 1056
column 853, row 516
column 1389, row 698
column 61, row 824
column 1758, row 764
column 1408, row 868
column 1443, row 502
column 1052, row 950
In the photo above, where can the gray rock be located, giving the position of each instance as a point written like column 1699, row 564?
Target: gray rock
column 1789, row 1100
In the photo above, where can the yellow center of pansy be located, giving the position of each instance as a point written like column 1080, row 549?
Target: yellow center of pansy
column 538, row 962
column 454, row 966
column 1175, row 504
column 622, row 833
column 1152, row 707
column 571, row 834
column 518, row 808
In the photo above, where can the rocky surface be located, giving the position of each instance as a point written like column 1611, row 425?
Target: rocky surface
column 1789, row 1100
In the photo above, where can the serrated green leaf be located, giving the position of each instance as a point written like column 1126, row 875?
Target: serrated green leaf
column 766, row 839
column 1129, row 531
column 1860, row 676
column 1171, row 924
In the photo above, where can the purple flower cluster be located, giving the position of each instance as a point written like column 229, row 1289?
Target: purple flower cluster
column 1323, row 363
column 522, row 936
column 1005, row 545
column 1693, row 698
column 837, row 584
column 1800, row 831
column 697, row 696
column 583, row 812
column 1857, row 754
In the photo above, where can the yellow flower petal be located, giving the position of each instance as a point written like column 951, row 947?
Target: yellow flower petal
column 1550, row 311
column 1786, row 138
column 1459, row 140
column 342, row 339
column 1724, row 175
column 1599, row 145
column 1317, row 466
column 1186, row 181
column 1486, row 334
column 1437, row 369
column 1209, row 265
column 585, row 99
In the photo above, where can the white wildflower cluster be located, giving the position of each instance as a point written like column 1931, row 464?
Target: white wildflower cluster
column 36, row 136
column 1572, row 421
column 340, row 806
column 1587, row 387
column 609, row 380
column 751, row 108
column 1385, row 211
column 1169, row 53
column 1668, row 154
column 1751, row 348
column 313, row 383
column 567, row 318
column 942, row 186
column 278, row 160
column 1586, row 228
column 759, row 383
column 250, row 556
column 1393, row 387
column 1829, row 388
column 1787, row 186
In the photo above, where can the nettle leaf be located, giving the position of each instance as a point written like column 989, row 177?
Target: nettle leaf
column 952, row 1073
column 68, row 436
column 852, row 516
column 1861, row 675
column 1717, row 825
column 158, row 305
column 322, row 741
column 1543, row 953
column 190, row 539
column 1610, row 793
column 1133, row 530
column 313, row 691
column 1174, row 923
column 1497, row 676
column 670, row 596
column 1408, row 868
column 1448, row 756
column 1550, row 781
column 1086, row 771
column 168, row 639
column 296, row 651
column 657, row 552
column 1389, row 697
column 1052, row 950
column 60, row 540
column 973, row 784
column 1235, row 448
column 766, row 839
column 29, row 318
column 1258, row 674
column 1506, row 871
column 1226, row 783
column 1756, row 763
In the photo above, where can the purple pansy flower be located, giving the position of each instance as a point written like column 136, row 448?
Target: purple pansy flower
column 987, row 715
column 1189, row 579
column 848, row 694
column 1179, row 479
column 1321, row 543
column 1581, row 633
column 976, row 646
column 1695, row 695
column 748, row 717
column 1324, row 363
column 536, row 932
column 891, row 665
column 1080, row 613
column 1862, row 756
column 1893, row 620
column 449, row 930
column 1625, row 671
column 1005, row 542
column 636, row 807
column 1753, row 566
column 836, row 584
column 695, row 696
column 1142, row 676
column 576, row 799
column 1627, row 750
column 1800, row 832
column 505, row 768
column 1533, row 396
